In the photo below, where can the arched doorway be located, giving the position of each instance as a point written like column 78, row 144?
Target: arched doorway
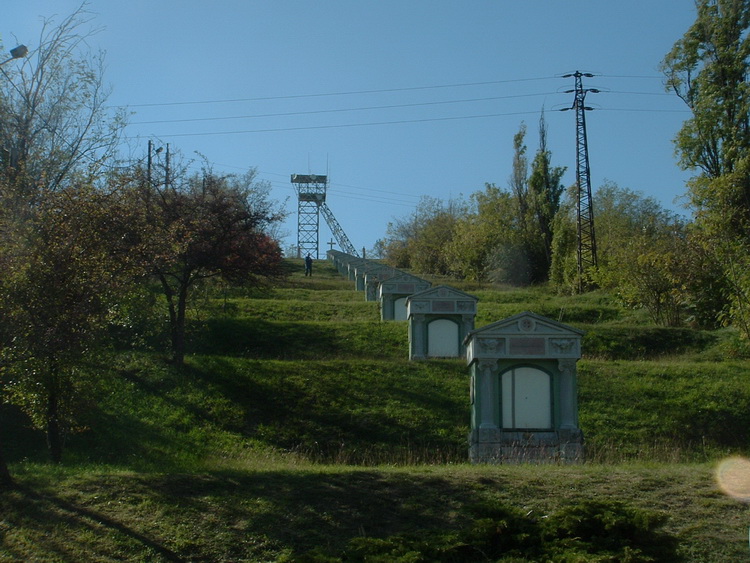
column 442, row 339
column 526, row 399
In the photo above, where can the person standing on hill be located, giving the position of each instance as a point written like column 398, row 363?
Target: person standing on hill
column 308, row 265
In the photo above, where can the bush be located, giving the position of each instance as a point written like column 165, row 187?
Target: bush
column 611, row 529
column 588, row 531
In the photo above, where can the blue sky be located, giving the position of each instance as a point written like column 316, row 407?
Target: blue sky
column 393, row 99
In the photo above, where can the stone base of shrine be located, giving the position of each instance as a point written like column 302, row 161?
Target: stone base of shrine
column 492, row 445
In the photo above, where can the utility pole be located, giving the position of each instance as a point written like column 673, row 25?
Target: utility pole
column 166, row 169
column 584, row 208
column 148, row 161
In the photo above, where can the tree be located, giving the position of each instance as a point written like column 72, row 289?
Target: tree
column 209, row 226
column 708, row 69
column 433, row 236
column 623, row 214
column 646, row 255
column 71, row 261
column 520, row 172
column 505, row 236
column 486, row 232
column 545, row 189
column 537, row 198
column 564, row 274
column 420, row 241
column 55, row 133
column 6, row 480
column 55, row 123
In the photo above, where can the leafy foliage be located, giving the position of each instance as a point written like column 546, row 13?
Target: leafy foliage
column 63, row 276
column 708, row 68
column 54, row 122
column 544, row 193
column 211, row 226
column 482, row 236
column 418, row 241
column 588, row 531
column 500, row 236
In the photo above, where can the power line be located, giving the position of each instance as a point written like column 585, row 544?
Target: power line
column 341, row 110
column 394, row 122
column 372, row 199
column 376, row 190
column 385, row 199
column 638, row 93
column 649, row 76
column 345, row 93
column 286, row 185
column 375, row 199
column 344, row 125
column 646, row 110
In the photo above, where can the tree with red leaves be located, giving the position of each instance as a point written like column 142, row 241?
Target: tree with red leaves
column 209, row 226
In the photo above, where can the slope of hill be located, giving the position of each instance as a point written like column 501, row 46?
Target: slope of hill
column 299, row 431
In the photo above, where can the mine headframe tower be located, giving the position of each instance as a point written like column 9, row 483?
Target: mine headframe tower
column 311, row 200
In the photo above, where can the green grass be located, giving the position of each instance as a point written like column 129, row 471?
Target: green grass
column 670, row 411
column 299, row 430
column 294, row 340
column 266, row 512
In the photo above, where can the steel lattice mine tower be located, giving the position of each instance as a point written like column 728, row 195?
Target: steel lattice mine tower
column 311, row 200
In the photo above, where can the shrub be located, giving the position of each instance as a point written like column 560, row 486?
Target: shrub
column 589, row 531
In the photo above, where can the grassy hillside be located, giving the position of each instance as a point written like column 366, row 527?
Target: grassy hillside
column 299, row 431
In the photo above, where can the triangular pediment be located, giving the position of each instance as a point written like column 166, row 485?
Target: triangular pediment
column 525, row 335
column 441, row 300
column 404, row 284
column 527, row 323
column 442, row 292
column 381, row 270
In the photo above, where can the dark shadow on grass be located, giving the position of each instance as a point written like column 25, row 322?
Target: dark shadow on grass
column 260, row 515
column 297, row 340
column 20, row 441
column 256, row 338
column 45, row 511
column 345, row 411
column 288, row 505
column 125, row 441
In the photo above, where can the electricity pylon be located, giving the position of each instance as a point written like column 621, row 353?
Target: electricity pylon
column 584, row 208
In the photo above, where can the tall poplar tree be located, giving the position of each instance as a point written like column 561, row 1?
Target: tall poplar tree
column 545, row 191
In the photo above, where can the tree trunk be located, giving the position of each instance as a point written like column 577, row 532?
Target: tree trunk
column 54, row 432
column 173, row 323
column 178, row 329
column 6, row 481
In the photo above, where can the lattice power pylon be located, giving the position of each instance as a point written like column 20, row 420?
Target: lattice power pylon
column 584, row 209
column 311, row 200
